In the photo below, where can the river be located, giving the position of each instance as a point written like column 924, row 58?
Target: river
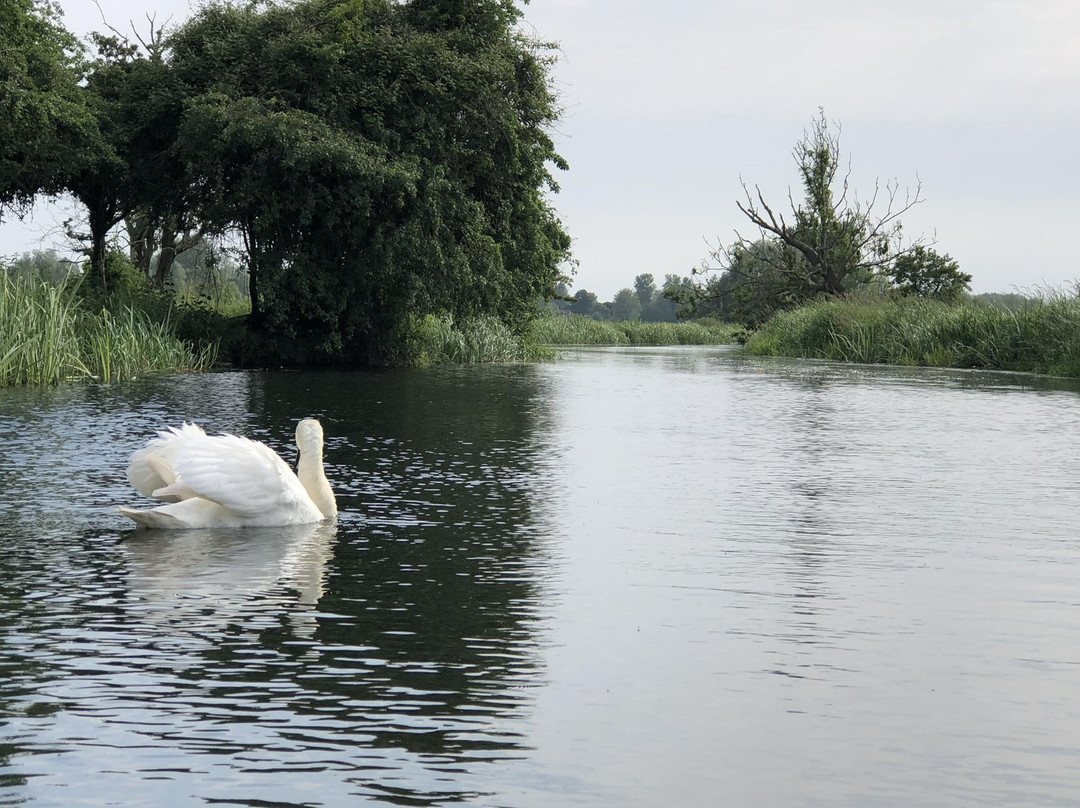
column 629, row 577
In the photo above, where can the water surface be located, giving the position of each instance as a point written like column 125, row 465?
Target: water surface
column 627, row 578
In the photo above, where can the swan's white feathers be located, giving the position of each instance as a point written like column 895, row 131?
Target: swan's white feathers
column 151, row 468
column 216, row 480
column 246, row 477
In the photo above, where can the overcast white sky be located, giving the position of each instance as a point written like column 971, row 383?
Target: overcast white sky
column 668, row 104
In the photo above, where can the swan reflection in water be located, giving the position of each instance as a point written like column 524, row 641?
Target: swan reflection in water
column 197, row 581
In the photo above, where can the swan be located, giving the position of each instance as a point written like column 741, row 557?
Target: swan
column 226, row 481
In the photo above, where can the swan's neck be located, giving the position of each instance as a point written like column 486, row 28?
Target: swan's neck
column 309, row 468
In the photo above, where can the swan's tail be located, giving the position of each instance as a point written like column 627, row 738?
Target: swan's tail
column 151, row 518
column 195, row 512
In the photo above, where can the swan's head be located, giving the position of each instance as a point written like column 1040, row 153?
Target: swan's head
column 309, row 436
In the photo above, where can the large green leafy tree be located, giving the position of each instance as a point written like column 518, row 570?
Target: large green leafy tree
column 46, row 126
column 381, row 160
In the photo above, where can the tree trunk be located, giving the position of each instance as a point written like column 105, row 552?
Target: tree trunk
column 103, row 214
column 252, row 246
column 167, row 254
column 176, row 239
column 100, row 225
column 164, row 266
column 142, row 230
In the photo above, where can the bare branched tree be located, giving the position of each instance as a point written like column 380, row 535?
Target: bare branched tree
column 829, row 238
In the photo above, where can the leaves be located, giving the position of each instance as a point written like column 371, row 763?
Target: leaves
column 381, row 160
column 45, row 123
column 385, row 160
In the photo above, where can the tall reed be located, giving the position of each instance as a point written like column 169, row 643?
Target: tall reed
column 440, row 339
column 576, row 329
column 1042, row 336
column 47, row 337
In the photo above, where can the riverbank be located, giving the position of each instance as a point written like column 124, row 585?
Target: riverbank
column 1042, row 336
column 440, row 340
column 48, row 335
column 575, row 329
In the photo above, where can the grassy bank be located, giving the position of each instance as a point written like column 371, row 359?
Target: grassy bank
column 437, row 340
column 441, row 340
column 48, row 335
column 574, row 329
column 1040, row 337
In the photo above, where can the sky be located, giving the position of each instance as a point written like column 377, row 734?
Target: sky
column 670, row 107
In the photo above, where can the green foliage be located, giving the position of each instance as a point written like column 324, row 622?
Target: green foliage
column 625, row 306
column 1042, row 336
column 829, row 244
column 832, row 240
column 42, row 265
column 766, row 277
column 436, row 340
column 585, row 303
column 203, row 277
column 924, row 273
column 577, row 329
column 645, row 289
column 47, row 336
column 117, row 279
column 383, row 161
column 45, row 122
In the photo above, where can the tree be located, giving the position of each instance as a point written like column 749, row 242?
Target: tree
column 645, row 288
column 662, row 309
column 151, row 99
column 562, row 299
column 138, row 177
column 924, row 273
column 585, row 303
column 381, row 161
column 43, row 264
column 625, row 306
column 829, row 242
column 763, row 278
column 837, row 237
column 45, row 124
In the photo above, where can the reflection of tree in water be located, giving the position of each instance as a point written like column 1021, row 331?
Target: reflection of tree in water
column 383, row 657
column 437, row 584
column 813, row 467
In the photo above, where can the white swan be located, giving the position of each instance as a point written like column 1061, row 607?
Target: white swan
column 226, row 481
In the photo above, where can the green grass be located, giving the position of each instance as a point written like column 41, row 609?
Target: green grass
column 435, row 340
column 575, row 329
column 48, row 336
column 439, row 339
column 1040, row 337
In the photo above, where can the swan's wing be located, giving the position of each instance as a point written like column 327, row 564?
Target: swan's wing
column 151, row 468
column 242, row 475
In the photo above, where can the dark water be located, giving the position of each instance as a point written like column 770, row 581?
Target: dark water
column 628, row 578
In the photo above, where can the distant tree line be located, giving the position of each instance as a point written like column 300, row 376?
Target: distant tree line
column 644, row 302
column 376, row 160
